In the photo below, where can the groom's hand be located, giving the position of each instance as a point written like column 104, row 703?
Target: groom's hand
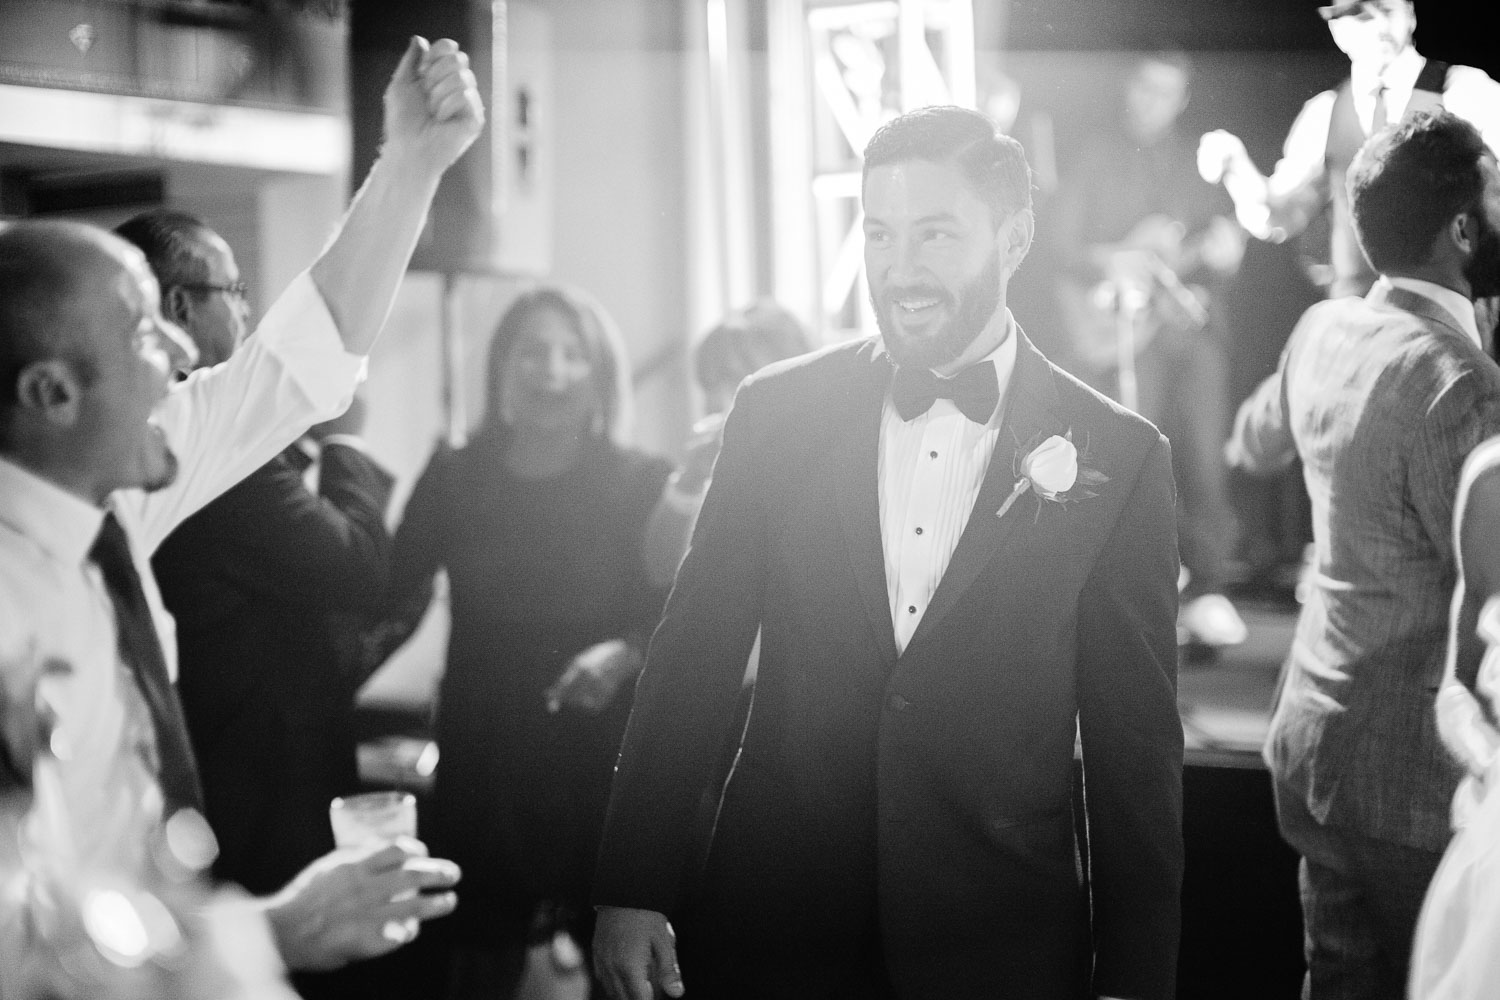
column 635, row 952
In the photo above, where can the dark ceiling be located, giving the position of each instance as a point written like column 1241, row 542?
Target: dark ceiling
column 1446, row 30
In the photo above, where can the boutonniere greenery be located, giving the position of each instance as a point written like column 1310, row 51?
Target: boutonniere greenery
column 1050, row 467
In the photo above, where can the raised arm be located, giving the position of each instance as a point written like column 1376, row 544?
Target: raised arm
column 432, row 114
column 292, row 372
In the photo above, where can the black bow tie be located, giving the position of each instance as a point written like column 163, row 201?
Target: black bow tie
column 975, row 391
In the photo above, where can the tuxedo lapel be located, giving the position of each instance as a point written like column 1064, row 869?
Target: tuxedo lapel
column 855, row 470
column 1030, row 410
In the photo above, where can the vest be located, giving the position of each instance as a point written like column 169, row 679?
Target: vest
column 1352, row 274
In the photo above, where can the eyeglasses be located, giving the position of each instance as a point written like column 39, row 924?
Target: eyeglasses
column 238, row 289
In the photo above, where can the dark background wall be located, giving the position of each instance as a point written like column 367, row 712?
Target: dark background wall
column 1445, row 29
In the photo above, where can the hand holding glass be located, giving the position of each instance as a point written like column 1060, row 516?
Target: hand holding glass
column 375, row 819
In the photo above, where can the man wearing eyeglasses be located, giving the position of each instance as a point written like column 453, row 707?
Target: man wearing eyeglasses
column 1388, row 79
column 223, row 304
column 266, row 583
column 201, row 290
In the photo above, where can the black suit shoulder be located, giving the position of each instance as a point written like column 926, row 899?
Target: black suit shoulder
column 797, row 384
column 798, row 406
column 1097, row 407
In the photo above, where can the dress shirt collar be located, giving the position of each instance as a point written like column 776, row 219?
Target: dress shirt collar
column 1003, row 356
column 1460, row 308
column 56, row 520
column 1399, row 77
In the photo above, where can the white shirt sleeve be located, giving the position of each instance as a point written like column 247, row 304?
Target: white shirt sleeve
column 227, row 421
column 1306, row 145
column 1295, row 191
column 1475, row 97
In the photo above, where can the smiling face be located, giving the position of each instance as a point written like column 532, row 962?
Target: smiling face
column 132, row 352
column 1375, row 33
column 91, row 355
column 937, row 264
column 548, row 382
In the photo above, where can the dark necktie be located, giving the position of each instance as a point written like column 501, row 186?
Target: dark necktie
column 141, row 650
column 975, row 391
column 1378, row 115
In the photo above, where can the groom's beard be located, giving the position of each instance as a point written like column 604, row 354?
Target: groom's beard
column 1483, row 269
column 970, row 314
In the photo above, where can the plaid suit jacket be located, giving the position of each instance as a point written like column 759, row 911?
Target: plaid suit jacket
column 1381, row 398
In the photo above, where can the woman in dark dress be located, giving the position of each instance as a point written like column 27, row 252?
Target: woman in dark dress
column 539, row 522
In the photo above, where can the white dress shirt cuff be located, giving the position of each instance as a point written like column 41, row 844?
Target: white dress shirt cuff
column 300, row 331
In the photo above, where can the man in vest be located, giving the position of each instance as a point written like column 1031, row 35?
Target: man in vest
column 1388, row 78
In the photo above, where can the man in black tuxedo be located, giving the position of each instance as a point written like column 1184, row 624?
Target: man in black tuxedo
column 267, row 583
column 963, row 564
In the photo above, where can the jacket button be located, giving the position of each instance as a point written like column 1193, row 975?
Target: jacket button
column 898, row 703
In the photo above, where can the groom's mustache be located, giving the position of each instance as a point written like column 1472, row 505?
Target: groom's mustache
column 891, row 294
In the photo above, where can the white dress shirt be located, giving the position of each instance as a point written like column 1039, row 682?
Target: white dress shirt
column 222, row 423
column 930, row 471
column 1469, row 93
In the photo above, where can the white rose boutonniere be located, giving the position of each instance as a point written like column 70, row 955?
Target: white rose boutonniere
column 1051, row 469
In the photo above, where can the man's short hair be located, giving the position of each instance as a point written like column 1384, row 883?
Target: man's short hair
column 992, row 162
column 38, row 280
column 172, row 242
column 1409, row 181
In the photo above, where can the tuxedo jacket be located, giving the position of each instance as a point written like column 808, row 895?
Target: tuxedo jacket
column 925, row 796
column 1382, row 398
column 263, row 582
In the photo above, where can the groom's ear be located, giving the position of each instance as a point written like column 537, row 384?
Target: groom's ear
column 1015, row 237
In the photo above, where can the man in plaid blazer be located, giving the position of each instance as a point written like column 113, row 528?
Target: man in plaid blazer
column 1381, row 397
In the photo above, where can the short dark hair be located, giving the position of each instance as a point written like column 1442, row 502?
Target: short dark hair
column 601, row 342
column 38, row 280
column 992, row 162
column 172, row 243
column 1408, row 182
column 745, row 342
